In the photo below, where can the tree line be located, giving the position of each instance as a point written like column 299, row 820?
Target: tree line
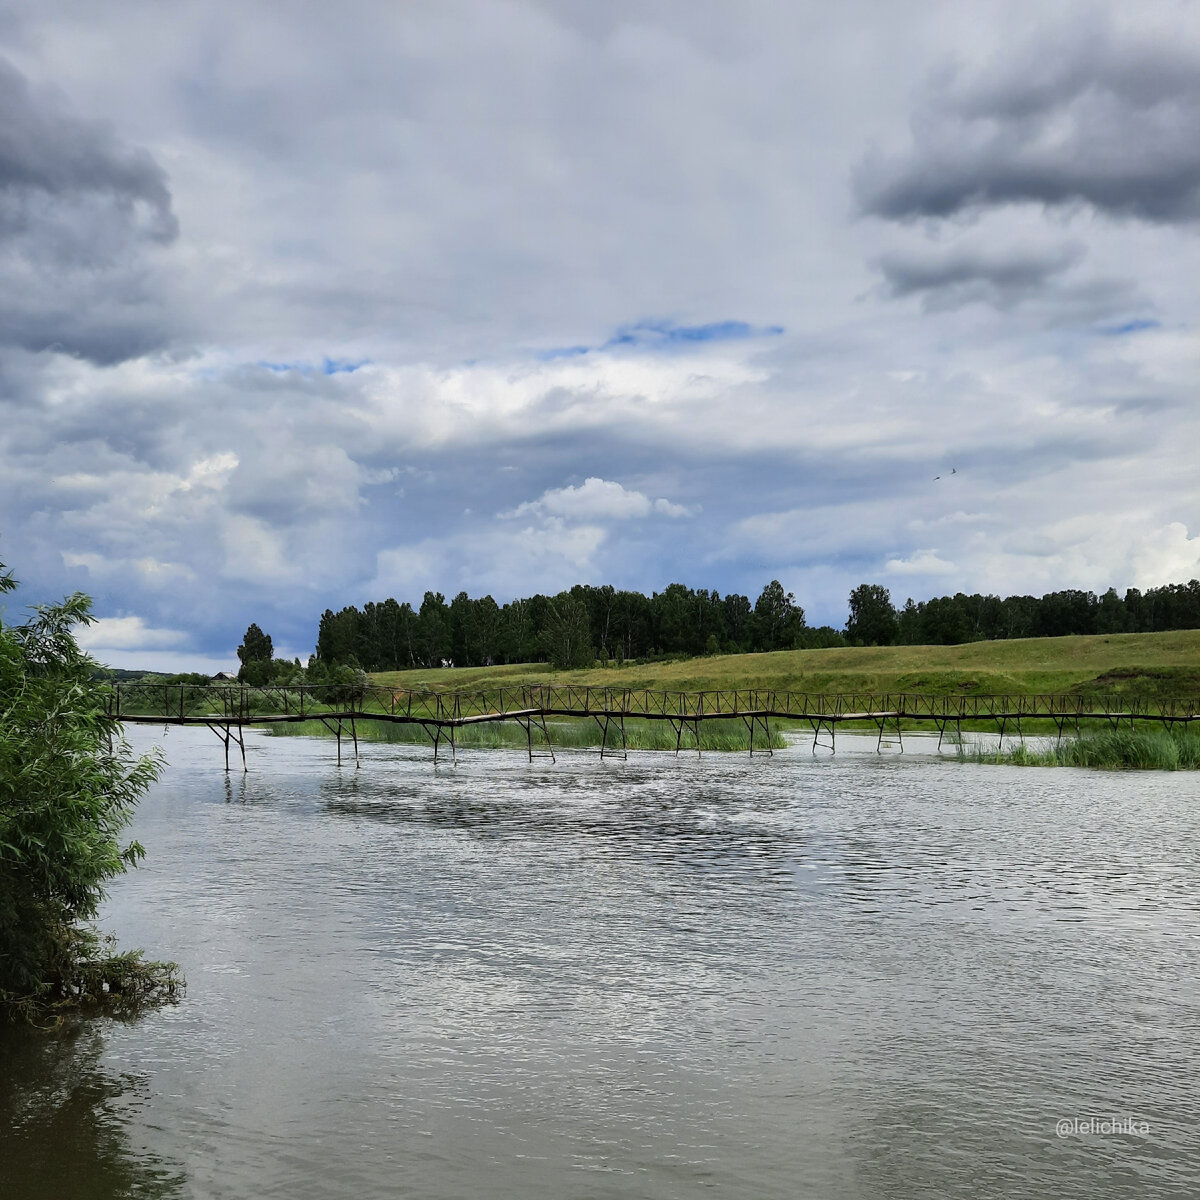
column 950, row 620
column 587, row 624
column 571, row 629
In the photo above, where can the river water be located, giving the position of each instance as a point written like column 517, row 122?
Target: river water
column 857, row 976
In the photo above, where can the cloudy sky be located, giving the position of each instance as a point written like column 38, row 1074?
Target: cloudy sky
column 307, row 304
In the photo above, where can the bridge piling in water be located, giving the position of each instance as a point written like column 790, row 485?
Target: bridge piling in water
column 226, row 734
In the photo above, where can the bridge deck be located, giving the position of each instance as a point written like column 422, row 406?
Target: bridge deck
column 185, row 704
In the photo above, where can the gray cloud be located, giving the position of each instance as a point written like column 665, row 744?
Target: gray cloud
column 47, row 150
column 1040, row 280
column 1080, row 118
column 962, row 274
column 78, row 208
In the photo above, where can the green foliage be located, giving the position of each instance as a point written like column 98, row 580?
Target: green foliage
column 1146, row 749
column 256, row 654
column 567, row 638
column 779, row 618
column 340, row 685
column 872, row 617
column 951, row 620
column 68, row 786
column 256, row 646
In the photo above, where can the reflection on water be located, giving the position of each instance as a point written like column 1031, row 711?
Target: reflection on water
column 858, row 976
column 64, row 1122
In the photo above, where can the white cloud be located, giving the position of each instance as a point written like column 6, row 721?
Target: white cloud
column 127, row 633
column 1167, row 555
column 500, row 560
column 255, row 551
column 921, row 562
column 212, row 472
column 597, row 499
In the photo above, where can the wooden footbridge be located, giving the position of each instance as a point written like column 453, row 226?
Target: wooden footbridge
column 228, row 709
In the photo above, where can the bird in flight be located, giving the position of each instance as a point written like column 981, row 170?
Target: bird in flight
column 953, row 471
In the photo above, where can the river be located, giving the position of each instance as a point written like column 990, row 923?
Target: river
column 857, row 976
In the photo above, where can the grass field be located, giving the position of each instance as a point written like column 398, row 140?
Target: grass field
column 1149, row 666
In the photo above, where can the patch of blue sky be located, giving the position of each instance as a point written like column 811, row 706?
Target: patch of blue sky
column 662, row 335
column 1126, row 327
column 327, row 366
column 342, row 366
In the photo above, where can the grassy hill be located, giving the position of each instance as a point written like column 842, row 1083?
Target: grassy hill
column 1151, row 665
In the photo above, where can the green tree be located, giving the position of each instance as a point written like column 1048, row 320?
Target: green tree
column 256, row 647
column 872, row 617
column 68, row 787
column 778, row 617
column 568, row 635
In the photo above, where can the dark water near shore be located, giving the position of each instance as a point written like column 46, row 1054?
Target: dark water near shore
column 847, row 977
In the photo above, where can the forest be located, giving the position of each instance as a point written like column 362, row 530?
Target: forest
column 587, row 624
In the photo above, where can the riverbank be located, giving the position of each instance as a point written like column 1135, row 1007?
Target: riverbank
column 1138, row 666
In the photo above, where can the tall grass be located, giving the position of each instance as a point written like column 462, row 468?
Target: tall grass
column 1175, row 749
column 568, row 735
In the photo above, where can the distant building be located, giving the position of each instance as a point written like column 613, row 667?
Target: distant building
column 222, row 677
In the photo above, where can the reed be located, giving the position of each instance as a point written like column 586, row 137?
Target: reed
column 1174, row 749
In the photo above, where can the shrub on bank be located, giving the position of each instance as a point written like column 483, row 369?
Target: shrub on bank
column 68, row 786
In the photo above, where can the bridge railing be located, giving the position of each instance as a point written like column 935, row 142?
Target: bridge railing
column 234, row 702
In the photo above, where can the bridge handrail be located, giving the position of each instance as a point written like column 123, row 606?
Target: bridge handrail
column 239, row 702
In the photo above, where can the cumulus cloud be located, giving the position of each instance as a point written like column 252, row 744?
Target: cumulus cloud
column 555, row 553
column 597, row 499
column 128, row 633
column 921, row 562
column 1085, row 117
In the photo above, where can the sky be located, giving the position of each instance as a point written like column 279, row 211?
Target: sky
column 309, row 305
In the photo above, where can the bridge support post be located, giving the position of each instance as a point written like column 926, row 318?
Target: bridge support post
column 527, row 724
column 942, row 725
column 546, row 735
column 434, row 731
column 677, row 723
column 819, row 723
column 882, row 722
column 604, row 728
column 335, row 727
column 751, row 722
column 226, row 734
